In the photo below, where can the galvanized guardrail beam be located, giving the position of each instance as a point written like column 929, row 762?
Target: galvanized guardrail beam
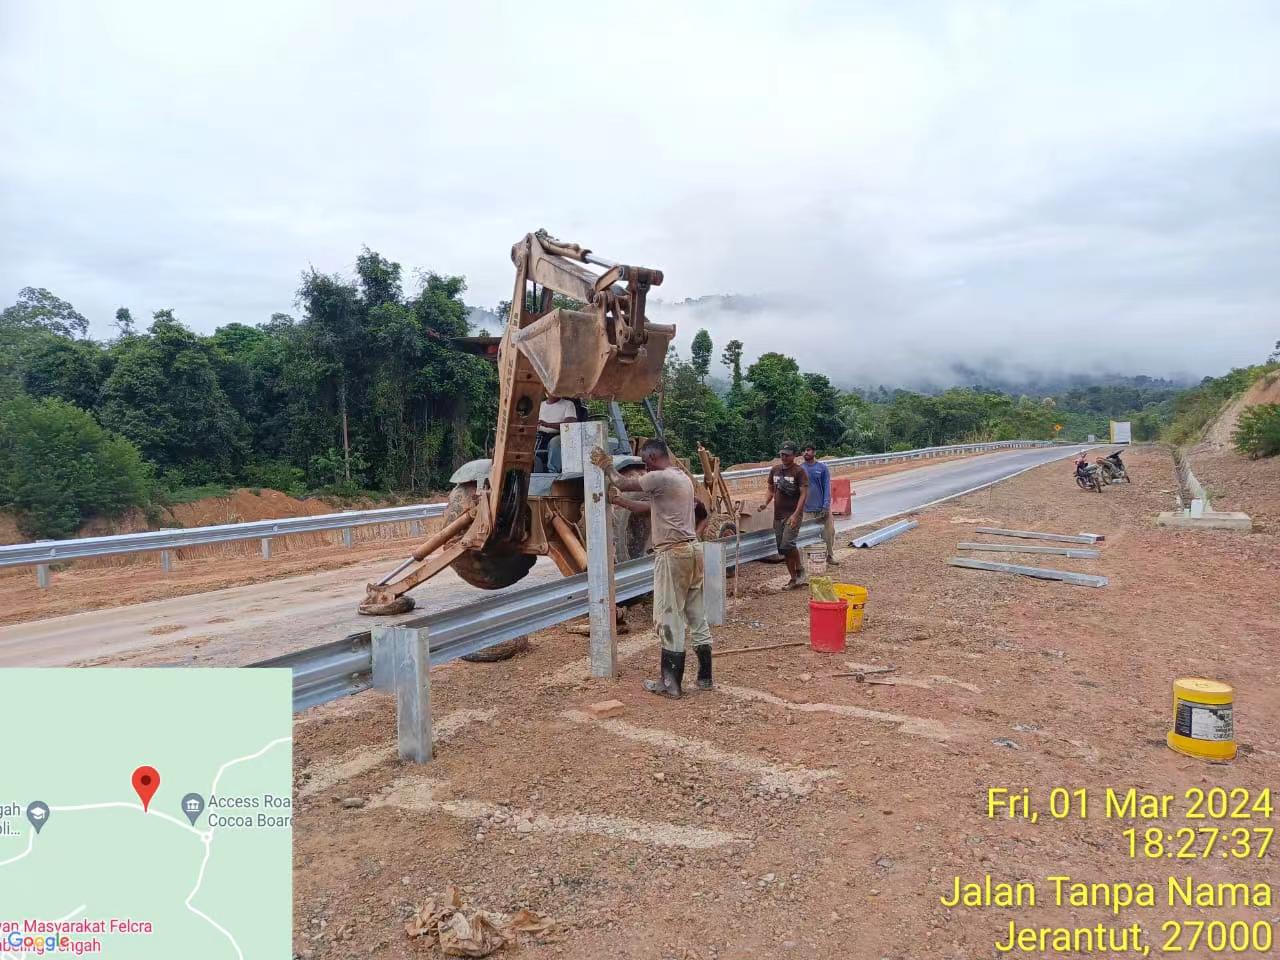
column 876, row 537
column 58, row 551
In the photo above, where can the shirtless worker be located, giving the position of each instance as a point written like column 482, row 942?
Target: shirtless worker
column 788, row 489
column 677, row 563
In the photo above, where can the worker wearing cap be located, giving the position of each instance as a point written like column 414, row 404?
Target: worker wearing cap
column 678, row 607
column 788, row 489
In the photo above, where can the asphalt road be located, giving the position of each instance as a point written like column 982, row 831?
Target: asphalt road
column 243, row 624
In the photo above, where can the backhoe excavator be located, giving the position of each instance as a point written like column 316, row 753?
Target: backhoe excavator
column 502, row 515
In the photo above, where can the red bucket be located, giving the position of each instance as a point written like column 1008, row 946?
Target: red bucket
column 826, row 625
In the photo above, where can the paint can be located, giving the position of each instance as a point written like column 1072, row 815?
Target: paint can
column 815, row 560
column 1203, row 724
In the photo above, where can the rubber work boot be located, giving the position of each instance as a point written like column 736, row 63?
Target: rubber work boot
column 672, row 676
column 703, row 651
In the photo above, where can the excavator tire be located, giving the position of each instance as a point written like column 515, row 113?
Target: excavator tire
column 719, row 528
column 636, row 533
column 486, row 570
column 499, row 651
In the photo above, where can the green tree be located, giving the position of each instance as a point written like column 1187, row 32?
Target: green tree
column 332, row 350
column 124, row 322
column 700, row 354
column 781, row 404
column 379, row 278
column 38, row 308
column 732, row 358
column 163, row 394
column 71, row 370
column 1257, row 432
column 250, row 363
column 58, row 467
column 827, row 428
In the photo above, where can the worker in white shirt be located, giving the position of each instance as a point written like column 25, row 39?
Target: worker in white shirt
column 553, row 412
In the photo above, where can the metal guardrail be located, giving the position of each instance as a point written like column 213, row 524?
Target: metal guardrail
column 329, row 671
column 877, row 537
column 345, row 667
column 45, row 552
column 923, row 453
column 57, row 551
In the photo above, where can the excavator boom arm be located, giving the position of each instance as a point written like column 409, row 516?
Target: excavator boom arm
column 604, row 349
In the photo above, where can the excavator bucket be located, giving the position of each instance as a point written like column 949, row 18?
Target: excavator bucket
column 573, row 357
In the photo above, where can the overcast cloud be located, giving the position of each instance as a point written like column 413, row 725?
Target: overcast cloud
column 1048, row 186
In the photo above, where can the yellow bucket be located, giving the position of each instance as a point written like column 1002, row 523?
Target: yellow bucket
column 856, row 597
column 1203, row 726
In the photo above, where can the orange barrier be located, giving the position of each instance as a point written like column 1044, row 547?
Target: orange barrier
column 841, row 497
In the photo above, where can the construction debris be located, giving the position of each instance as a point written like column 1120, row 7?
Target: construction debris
column 861, row 675
column 876, row 537
column 463, row 931
column 1040, row 573
column 1037, row 535
column 606, row 709
column 1070, row 552
column 767, row 646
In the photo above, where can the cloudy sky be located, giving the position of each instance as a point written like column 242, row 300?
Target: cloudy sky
column 1046, row 186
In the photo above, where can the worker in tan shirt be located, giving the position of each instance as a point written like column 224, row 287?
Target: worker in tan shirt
column 678, row 607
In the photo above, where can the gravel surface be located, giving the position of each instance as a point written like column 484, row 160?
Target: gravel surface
column 795, row 813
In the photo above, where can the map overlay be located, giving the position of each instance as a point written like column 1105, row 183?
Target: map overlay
column 146, row 813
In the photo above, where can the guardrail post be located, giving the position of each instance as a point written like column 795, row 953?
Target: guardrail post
column 166, row 560
column 714, row 591
column 347, row 538
column 406, row 653
column 266, row 548
column 42, row 576
column 383, row 652
column 601, row 601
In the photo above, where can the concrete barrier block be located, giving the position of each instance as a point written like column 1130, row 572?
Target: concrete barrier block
column 1209, row 520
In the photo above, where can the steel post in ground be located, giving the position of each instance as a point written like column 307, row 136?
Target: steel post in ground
column 411, row 661
column 266, row 548
column 42, row 576
column 383, row 656
column 601, row 600
column 347, row 537
column 714, row 582
column 166, row 560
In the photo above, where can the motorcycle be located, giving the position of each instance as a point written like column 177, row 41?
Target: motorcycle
column 1088, row 475
column 1113, row 468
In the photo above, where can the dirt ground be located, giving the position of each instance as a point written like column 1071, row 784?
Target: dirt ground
column 120, row 581
column 796, row 813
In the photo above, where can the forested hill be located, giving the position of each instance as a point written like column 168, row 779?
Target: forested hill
column 361, row 391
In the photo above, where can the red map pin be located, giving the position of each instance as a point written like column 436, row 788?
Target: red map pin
column 146, row 782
